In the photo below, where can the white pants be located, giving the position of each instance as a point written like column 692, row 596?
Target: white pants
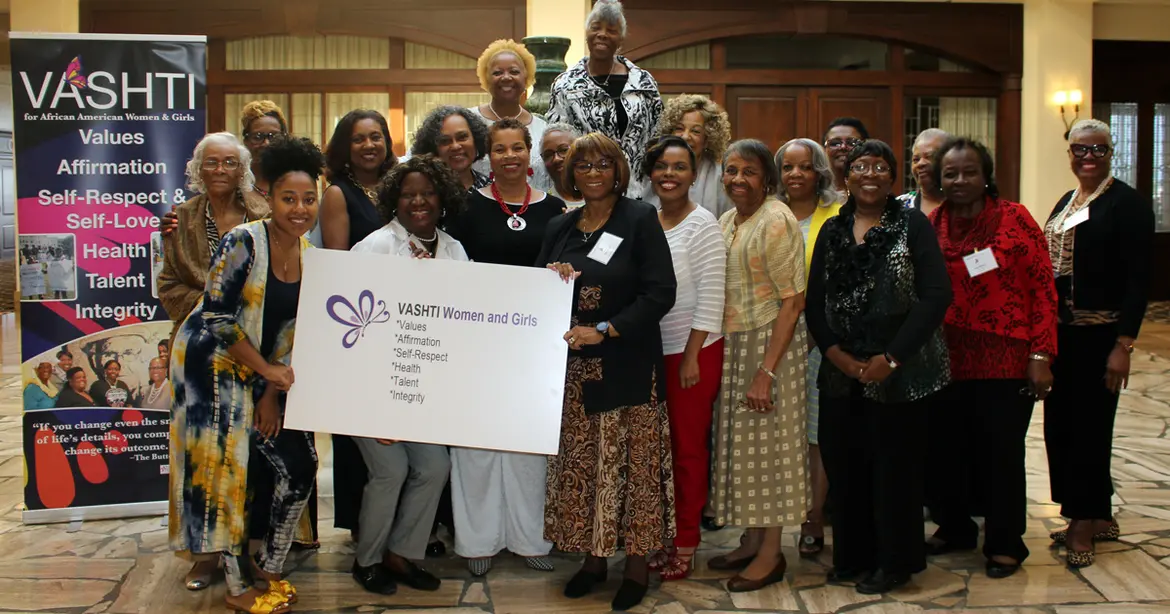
column 498, row 502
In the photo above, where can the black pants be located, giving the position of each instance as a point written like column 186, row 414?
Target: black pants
column 874, row 455
column 349, row 481
column 1078, row 423
column 979, row 430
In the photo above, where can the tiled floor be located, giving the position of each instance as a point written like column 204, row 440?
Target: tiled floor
column 123, row 566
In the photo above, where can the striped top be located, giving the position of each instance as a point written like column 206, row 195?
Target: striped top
column 700, row 268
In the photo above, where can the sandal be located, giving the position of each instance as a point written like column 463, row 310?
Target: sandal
column 199, row 577
column 268, row 603
column 283, row 587
column 1108, row 535
column 661, row 559
column 810, row 545
column 679, row 566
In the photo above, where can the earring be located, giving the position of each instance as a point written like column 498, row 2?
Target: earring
column 531, row 172
column 444, row 213
column 491, row 177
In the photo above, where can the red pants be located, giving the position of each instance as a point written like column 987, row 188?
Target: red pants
column 691, row 411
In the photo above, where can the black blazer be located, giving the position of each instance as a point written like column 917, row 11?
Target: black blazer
column 1111, row 256
column 634, row 291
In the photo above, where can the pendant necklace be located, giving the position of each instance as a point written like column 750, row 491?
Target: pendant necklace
column 501, row 117
column 280, row 250
column 515, row 222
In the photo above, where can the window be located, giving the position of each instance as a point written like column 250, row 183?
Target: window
column 308, row 53
column 919, row 60
column 1122, row 118
column 968, row 117
column 1161, row 195
column 424, row 56
column 806, row 53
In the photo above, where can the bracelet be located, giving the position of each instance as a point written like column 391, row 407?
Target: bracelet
column 1039, row 356
column 768, row 373
column 1128, row 347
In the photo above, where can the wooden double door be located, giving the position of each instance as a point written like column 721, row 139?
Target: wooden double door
column 775, row 115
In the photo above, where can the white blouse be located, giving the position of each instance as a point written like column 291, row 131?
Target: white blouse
column 393, row 239
column 700, row 269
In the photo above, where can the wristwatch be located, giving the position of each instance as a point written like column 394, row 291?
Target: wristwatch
column 893, row 363
column 603, row 328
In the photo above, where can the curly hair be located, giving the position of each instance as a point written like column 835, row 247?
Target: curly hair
column 451, row 192
column 195, row 164
column 510, row 123
column 261, row 108
column 716, row 122
column 290, row 155
column 986, row 163
column 483, row 66
column 426, row 139
column 601, row 146
column 337, row 152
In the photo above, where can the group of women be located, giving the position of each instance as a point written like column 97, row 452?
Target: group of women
column 748, row 329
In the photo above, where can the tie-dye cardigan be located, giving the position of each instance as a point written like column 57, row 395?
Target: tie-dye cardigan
column 211, row 416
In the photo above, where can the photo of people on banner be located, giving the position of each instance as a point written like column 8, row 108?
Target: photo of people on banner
column 48, row 267
column 122, row 367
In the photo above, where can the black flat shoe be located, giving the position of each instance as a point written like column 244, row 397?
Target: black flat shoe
column 375, row 579
column 708, row 524
column 582, row 583
column 628, row 596
column 998, row 570
column 436, row 548
column 415, row 577
column 845, row 576
column 881, row 582
column 940, row 547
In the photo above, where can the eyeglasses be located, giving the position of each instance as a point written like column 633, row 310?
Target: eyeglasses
column 849, row 143
column 602, row 165
column 1082, row 151
column 861, row 168
column 259, row 137
column 548, row 155
column 230, row 164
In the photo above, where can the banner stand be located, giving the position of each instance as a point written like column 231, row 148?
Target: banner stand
column 103, row 128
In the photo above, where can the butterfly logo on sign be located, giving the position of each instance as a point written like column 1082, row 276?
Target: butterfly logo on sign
column 367, row 312
column 74, row 75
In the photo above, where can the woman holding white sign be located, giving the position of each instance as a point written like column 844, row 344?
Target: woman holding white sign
column 406, row 478
column 498, row 497
column 612, row 483
column 228, row 368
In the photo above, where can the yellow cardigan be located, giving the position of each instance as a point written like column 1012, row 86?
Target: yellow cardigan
column 819, row 217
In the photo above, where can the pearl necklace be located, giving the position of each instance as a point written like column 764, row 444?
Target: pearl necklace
column 500, row 117
column 153, row 394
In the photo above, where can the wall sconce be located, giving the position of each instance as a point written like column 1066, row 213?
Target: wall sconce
column 1064, row 98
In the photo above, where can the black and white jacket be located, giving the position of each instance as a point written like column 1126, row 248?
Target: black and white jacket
column 579, row 101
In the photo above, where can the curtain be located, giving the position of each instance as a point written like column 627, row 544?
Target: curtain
column 308, row 53
column 696, row 57
column 418, row 104
column 970, row 117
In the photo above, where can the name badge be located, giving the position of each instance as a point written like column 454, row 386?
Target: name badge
column 980, row 262
column 606, row 246
column 1076, row 218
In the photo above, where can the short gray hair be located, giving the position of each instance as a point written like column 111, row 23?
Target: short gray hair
column 820, row 161
column 607, row 12
column 1092, row 126
column 195, row 164
column 565, row 127
column 930, row 133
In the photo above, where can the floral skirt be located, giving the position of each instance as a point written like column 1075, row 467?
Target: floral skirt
column 612, row 485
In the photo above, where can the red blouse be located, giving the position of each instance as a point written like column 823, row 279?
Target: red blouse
column 998, row 318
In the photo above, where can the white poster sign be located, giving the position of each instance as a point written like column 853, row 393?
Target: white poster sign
column 435, row 351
